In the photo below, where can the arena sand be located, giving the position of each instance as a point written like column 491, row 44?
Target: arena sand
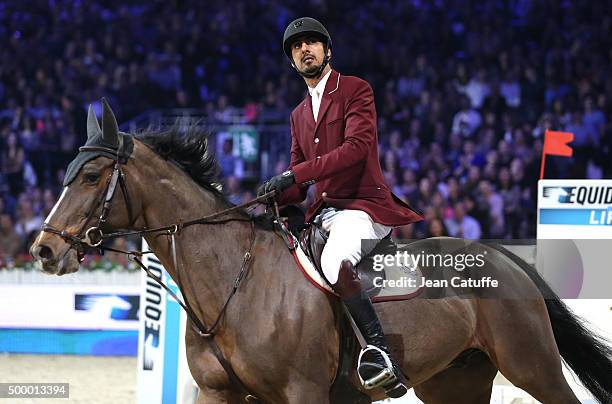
column 93, row 379
column 102, row 380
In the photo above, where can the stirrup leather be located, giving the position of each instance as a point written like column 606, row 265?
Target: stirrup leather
column 386, row 375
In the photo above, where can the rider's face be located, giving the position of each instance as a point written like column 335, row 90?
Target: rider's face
column 308, row 53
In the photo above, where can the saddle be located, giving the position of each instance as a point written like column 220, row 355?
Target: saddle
column 380, row 282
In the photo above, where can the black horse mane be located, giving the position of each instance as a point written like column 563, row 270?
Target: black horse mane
column 187, row 146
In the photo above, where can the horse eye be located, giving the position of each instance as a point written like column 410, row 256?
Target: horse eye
column 91, row 178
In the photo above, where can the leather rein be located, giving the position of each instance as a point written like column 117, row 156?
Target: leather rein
column 94, row 237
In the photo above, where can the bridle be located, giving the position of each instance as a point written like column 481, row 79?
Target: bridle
column 94, row 237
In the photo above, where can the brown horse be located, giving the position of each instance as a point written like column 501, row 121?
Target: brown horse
column 279, row 333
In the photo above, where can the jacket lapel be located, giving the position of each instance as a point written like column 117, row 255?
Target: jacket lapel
column 307, row 113
column 330, row 86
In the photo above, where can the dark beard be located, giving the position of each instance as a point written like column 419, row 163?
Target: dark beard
column 311, row 69
column 312, row 72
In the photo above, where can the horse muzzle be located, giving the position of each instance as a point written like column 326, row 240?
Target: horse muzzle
column 54, row 261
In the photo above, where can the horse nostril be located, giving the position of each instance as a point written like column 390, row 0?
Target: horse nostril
column 43, row 252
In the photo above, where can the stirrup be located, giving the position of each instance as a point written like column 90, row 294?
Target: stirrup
column 386, row 374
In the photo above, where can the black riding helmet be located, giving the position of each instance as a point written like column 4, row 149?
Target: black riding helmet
column 305, row 26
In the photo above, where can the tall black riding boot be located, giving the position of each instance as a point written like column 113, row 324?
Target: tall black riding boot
column 373, row 367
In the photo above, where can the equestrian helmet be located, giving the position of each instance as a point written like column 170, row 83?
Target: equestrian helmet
column 302, row 26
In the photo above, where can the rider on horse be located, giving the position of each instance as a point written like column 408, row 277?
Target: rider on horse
column 334, row 145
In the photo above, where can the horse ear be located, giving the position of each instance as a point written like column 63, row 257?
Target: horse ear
column 110, row 129
column 93, row 127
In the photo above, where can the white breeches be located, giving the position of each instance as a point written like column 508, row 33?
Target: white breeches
column 347, row 228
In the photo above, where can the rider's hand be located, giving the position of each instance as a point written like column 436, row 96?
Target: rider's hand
column 277, row 183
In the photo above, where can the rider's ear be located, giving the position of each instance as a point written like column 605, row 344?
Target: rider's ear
column 110, row 129
column 93, row 127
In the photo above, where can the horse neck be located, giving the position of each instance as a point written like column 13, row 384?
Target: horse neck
column 210, row 257
column 204, row 259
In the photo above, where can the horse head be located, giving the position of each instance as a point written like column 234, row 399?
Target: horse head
column 83, row 212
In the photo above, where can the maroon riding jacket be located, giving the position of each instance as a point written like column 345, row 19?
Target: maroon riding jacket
column 340, row 154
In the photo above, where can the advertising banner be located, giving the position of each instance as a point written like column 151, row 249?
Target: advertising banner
column 574, row 250
column 70, row 307
column 163, row 374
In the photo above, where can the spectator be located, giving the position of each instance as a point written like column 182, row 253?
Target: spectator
column 409, row 186
column 492, row 205
column 10, row 243
column 436, row 228
column 594, row 119
column 462, row 225
column 230, row 164
column 27, row 220
column 511, row 196
column 13, row 159
column 467, row 120
column 510, row 88
column 477, row 89
column 495, row 102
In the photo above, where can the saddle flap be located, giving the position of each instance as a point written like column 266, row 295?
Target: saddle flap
column 382, row 281
column 312, row 241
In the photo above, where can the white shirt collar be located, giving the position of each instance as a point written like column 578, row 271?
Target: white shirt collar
column 321, row 86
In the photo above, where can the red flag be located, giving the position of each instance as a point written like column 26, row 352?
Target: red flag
column 556, row 143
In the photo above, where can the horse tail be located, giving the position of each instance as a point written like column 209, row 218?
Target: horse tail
column 585, row 352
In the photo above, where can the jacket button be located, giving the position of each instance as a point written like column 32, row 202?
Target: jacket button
column 316, row 140
column 318, row 157
column 324, row 194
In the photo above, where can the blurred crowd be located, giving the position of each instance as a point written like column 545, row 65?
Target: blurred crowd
column 464, row 92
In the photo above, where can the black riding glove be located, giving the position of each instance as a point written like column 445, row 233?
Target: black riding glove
column 277, row 183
